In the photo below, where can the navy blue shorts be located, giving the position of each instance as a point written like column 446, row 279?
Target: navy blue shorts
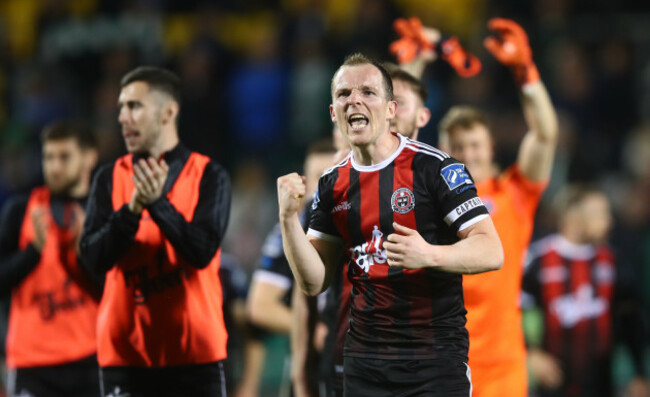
column 430, row 378
column 78, row 378
column 198, row 380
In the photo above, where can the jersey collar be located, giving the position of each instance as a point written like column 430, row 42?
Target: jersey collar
column 383, row 164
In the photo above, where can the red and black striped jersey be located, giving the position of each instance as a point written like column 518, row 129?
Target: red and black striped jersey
column 396, row 313
column 573, row 285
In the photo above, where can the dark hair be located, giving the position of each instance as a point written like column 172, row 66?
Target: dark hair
column 158, row 78
column 461, row 117
column 360, row 59
column 417, row 86
column 64, row 129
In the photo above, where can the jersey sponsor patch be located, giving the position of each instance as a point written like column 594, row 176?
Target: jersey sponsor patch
column 583, row 304
column 343, row 206
column 455, row 175
column 462, row 189
column 402, row 200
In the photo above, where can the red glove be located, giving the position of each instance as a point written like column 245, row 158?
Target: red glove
column 512, row 49
column 465, row 64
column 412, row 40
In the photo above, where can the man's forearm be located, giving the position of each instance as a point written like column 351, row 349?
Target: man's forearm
column 103, row 244
column 306, row 264
column 195, row 244
column 539, row 112
column 266, row 308
column 476, row 253
column 15, row 267
column 300, row 340
column 273, row 317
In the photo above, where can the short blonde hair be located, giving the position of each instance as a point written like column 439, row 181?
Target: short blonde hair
column 461, row 117
column 360, row 59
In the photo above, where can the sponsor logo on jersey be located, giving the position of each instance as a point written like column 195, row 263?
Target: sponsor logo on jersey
column 462, row 189
column 553, row 274
column 570, row 309
column 344, row 206
column 402, row 200
column 370, row 253
column 52, row 302
column 455, row 176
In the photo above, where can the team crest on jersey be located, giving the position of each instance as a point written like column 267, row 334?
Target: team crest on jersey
column 403, row 200
column 455, row 176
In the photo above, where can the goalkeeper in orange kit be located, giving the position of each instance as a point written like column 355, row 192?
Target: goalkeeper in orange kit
column 497, row 354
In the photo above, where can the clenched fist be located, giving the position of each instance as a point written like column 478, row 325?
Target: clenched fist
column 291, row 190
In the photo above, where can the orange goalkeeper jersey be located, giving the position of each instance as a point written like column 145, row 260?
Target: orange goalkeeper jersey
column 492, row 299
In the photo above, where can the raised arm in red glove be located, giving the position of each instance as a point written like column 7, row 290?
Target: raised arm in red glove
column 512, row 49
column 416, row 42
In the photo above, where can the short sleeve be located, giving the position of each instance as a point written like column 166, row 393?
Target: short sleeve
column 321, row 224
column 456, row 195
column 273, row 267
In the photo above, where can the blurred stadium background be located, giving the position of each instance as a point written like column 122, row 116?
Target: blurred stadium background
column 256, row 89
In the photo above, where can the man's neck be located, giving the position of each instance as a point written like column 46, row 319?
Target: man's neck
column 81, row 189
column 376, row 152
column 168, row 140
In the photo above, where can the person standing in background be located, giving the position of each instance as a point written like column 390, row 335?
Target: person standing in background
column 51, row 344
column 497, row 351
column 156, row 218
column 572, row 278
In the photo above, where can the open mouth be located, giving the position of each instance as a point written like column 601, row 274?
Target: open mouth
column 357, row 121
column 130, row 135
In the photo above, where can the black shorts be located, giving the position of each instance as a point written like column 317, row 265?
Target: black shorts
column 78, row 378
column 430, row 378
column 197, row 380
column 333, row 385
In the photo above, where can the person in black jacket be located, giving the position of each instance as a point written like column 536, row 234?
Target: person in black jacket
column 156, row 219
column 51, row 345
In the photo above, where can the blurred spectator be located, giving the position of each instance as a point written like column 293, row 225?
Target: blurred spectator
column 585, row 302
column 51, row 345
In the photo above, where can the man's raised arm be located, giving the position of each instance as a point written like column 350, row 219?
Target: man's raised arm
column 312, row 259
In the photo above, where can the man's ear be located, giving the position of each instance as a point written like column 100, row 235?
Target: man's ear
column 424, row 115
column 332, row 114
column 392, row 109
column 170, row 112
column 90, row 157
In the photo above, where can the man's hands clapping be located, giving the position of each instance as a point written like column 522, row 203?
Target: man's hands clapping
column 149, row 177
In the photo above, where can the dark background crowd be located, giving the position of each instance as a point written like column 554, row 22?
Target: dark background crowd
column 256, row 77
